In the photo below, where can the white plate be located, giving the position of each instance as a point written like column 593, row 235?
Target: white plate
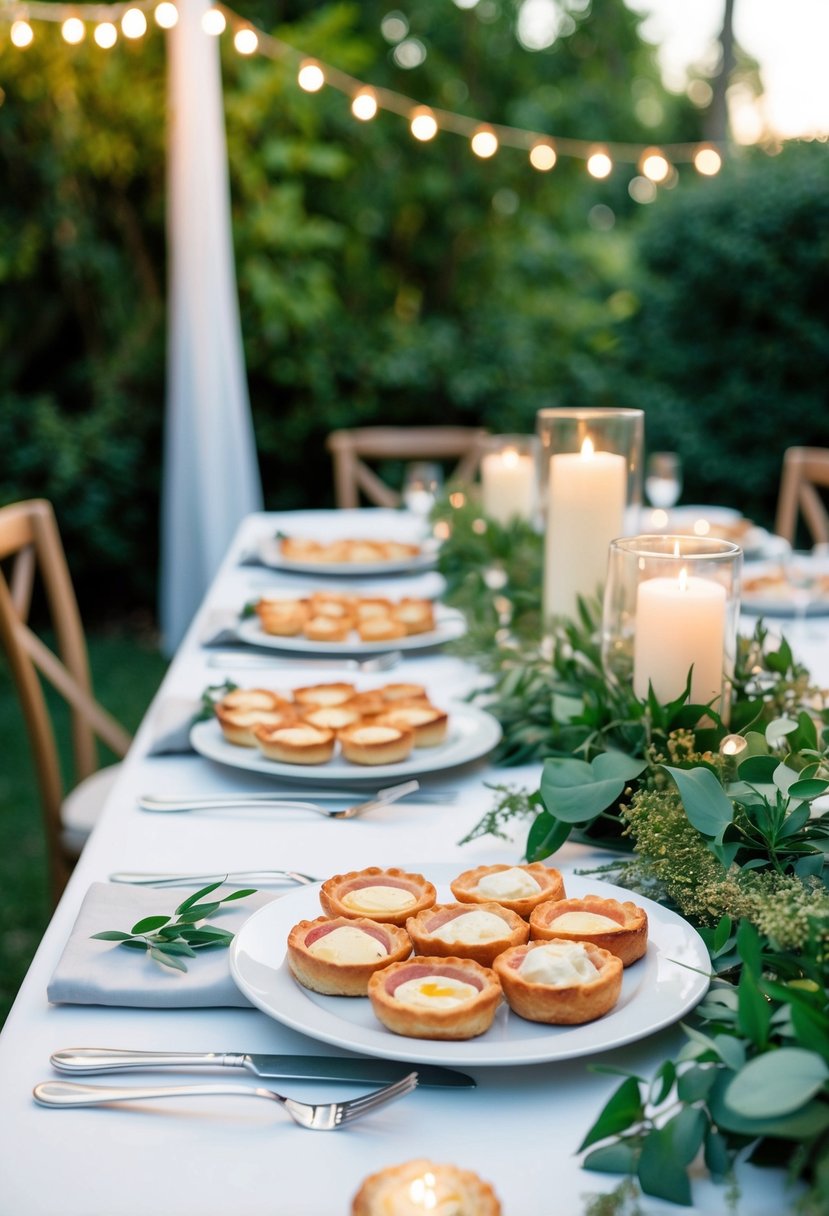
column 270, row 554
column 450, row 625
column 778, row 599
column 656, row 991
column 472, row 733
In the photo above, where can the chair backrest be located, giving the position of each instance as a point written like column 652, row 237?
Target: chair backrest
column 30, row 544
column 351, row 449
column 805, row 471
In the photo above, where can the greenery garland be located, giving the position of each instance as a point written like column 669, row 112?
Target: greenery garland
column 733, row 843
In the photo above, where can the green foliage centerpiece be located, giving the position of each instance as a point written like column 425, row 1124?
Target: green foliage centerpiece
column 715, row 820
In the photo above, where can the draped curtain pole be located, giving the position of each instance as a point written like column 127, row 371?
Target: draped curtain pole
column 210, row 472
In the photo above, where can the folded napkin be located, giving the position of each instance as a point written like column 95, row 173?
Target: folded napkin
column 93, row 972
column 171, row 725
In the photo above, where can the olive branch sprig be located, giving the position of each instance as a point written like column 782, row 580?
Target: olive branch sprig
column 169, row 941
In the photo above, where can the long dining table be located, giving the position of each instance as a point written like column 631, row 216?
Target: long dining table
column 519, row 1128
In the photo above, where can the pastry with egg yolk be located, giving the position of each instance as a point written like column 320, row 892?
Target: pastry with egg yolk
column 422, row 1186
column 337, row 956
column 300, row 743
column 621, row 928
column 559, row 982
column 430, row 724
column 324, row 694
column 371, row 743
column 435, row 998
column 389, row 897
column 238, row 725
column 480, row 933
column 519, row 888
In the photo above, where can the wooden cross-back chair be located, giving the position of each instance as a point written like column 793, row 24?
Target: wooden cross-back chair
column 351, row 449
column 30, row 544
column 805, row 473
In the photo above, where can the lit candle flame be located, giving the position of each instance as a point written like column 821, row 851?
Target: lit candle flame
column 587, row 448
column 683, row 579
column 510, row 458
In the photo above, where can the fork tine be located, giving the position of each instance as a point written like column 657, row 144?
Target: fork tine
column 358, row 1107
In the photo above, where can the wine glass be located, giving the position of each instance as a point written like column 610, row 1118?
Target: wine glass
column 422, row 483
column 663, row 479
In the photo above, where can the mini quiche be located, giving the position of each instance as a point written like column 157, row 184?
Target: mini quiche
column 389, row 897
column 519, row 888
column 435, row 998
column 422, row 1186
column 337, row 956
column 621, row 928
column 480, row 933
column 561, row 983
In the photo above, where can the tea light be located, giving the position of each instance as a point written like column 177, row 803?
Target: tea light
column 508, row 485
column 680, row 623
column 587, row 494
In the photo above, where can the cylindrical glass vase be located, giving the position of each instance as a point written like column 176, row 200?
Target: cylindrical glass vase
column 590, row 481
column 509, row 477
column 671, row 607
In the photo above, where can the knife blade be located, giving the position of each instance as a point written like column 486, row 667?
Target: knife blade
column 80, row 1060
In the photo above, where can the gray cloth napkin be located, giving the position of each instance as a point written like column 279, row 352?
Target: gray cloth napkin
column 103, row 973
column 171, row 725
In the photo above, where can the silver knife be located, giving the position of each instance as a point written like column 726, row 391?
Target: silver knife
column 82, row 1060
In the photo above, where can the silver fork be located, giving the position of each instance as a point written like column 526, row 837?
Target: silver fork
column 318, row 1117
column 151, row 802
column 141, row 879
column 246, row 660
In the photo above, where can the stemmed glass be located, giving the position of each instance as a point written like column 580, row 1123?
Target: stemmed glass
column 663, row 479
column 422, row 483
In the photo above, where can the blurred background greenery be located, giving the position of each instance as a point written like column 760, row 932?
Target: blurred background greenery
column 382, row 281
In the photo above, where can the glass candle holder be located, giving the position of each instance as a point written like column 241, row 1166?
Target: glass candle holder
column 671, row 607
column 590, row 483
column 508, row 477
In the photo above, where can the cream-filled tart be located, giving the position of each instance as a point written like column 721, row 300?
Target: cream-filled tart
column 324, row 694
column 417, row 616
column 562, row 983
column 380, row 629
column 480, row 933
column 430, row 724
column 435, row 998
column 252, row 699
column 282, row 618
column 519, row 888
column 337, row 956
column 368, row 704
column 332, row 603
column 420, row 1186
column 325, row 628
column 332, row 717
column 388, row 896
column 403, row 692
column 621, row 928
column 371, row 743
column 299, row 743
column 368, row 607
column 238, row 725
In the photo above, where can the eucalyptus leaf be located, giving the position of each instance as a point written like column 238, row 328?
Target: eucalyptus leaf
column 622, row 1110
column 706, row 804
column 659, row 1172
column 777, row 1083
column 193, row 899
column 167, row 960
column 149, row 924
column 808, row 789
column 718, row 1159
column 546, row 836
column 777, row 730
column 758, row 769
column 694, row 1084
column 112, row 935
column 754, row 1011
column 810, row 1120
column 618, row 1158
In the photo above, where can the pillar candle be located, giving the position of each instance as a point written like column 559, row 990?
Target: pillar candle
column 679, row 622
column 508, row 485
column 586, row 500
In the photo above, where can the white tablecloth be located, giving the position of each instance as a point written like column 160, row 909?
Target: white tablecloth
column 519, row 1129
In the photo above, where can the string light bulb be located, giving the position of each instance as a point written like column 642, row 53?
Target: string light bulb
column 543, row 156
column 166, row 15
column 364, row 105
column 73, row 31
column 707, row 161
column 423, row 124
column 484, row 143
column 599, row 165
column 21, row 34
column 105, row 35
column 310, row 76
column 654, row 165
column 133, row 23
column 246, row 41
column 214, row 22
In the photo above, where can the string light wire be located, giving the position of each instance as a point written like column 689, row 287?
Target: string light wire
column 705, row 156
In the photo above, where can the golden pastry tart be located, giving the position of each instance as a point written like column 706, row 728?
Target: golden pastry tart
column 416, row 1187
column 332, row 717
column 380, row 629
column 252, row 698
column 430, row 724
column 324, row 694
column 480, row 933
column 337, row 956
column 403, row 692
column 368, row 607
column 328, row 628
column 239, row 725
column 435, row 998
column 387, row 896
column 621, row 928
column 519, row 888
column 368, row 704
column 562, row 983
column 296, row 744
column 417, row 616
column 370, row 743
column 332, row 603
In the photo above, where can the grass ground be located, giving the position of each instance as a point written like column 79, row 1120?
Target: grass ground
column 126, row 671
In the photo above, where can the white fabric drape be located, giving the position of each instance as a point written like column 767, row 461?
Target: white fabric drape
column 210, row 472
